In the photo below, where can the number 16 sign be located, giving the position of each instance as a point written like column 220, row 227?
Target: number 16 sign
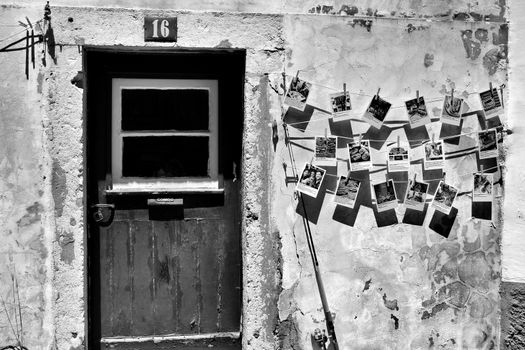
column 160, row 28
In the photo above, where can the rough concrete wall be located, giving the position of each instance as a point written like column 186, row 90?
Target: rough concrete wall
column 402, row 286
column 26, row 220
column 459, row 9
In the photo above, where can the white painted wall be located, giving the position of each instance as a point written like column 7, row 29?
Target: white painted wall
column 513, row 240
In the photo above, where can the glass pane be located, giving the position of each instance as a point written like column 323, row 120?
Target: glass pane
column 165, row 156
column 153, row 109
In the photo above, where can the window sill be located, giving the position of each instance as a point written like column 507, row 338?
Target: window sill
column 161, row 191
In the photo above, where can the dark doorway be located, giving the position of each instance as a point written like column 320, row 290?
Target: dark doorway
column 164, row 137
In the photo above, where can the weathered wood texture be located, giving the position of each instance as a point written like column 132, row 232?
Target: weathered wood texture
column 174, row 276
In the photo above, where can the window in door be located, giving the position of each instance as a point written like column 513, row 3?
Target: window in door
column 164, row 135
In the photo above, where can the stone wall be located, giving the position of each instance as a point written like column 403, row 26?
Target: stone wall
column 397, row 287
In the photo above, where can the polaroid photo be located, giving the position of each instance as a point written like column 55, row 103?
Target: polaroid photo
column 341, row 105
column 360, row 155
column 385, row 194
column 347, row 191
column 325, row 150
column 376, row 112
column 398, row 157
column 417, row 112
column 444, row 197
column 297, row 94
column 416, row 195
column 488, row 144
column 452, row 110
column 491, row 103
column 311, row 180
column 434, row 155
column 483, row 188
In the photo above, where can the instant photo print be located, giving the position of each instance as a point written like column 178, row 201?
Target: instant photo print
column 488, row 144
column 416, row 195
column 311, row 179
column 417, row 112
column 376, row 112
column 297, row 94
column 434, row 155
column 347, row 191
column 452, row 110
column 491, row 103
column 325, row 150
column 341, row 105
column 360, row 155
column 444, row 197
column 482, row 196
column 398, row 157
column 385, row 195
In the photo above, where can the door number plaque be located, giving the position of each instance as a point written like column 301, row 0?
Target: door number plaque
column 160, row 29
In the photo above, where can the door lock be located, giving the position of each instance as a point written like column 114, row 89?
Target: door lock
column 103, row 213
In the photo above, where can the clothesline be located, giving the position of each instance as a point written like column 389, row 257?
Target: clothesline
column 502, row 86
column 21, row 31
column 431, row 179
column 355, row 137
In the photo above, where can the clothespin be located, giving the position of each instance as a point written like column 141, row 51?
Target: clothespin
column 490, row 87
column 325, row 133
column 444, row 175
column 344, row 92
column 378, row 89
column 481, row 168
column 501, row 87
column 433, row 138
column 417, row 96
column 452, row 96
column 398, row 143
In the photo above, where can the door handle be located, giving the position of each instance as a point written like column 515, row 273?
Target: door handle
column 103, row 213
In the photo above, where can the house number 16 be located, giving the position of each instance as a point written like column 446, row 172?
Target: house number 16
column 164, row 28
column 160, row 28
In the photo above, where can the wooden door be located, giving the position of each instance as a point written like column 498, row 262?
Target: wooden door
column 164, row 262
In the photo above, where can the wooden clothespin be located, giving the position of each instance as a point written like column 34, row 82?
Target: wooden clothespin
column 501, row 87
column 344, row 91
column 481, row 168
column 433, row 138
column 417, row 96
column 377, row 94
column 398, row 142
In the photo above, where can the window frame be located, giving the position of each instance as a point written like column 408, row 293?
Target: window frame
column 169, row 184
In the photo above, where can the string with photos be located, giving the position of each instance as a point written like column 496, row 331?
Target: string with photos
column 499, row 131
column 429, row 100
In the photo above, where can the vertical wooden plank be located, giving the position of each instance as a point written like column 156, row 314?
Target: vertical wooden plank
column 106, row 261
column 121, row 295
column 187, row 288
column 164, row 322
column 142, row 303
column 208, row 275
column 230, row 264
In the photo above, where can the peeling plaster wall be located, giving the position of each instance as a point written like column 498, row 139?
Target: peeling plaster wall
column 400, row 287
column 493, row 10
column 26, row 204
